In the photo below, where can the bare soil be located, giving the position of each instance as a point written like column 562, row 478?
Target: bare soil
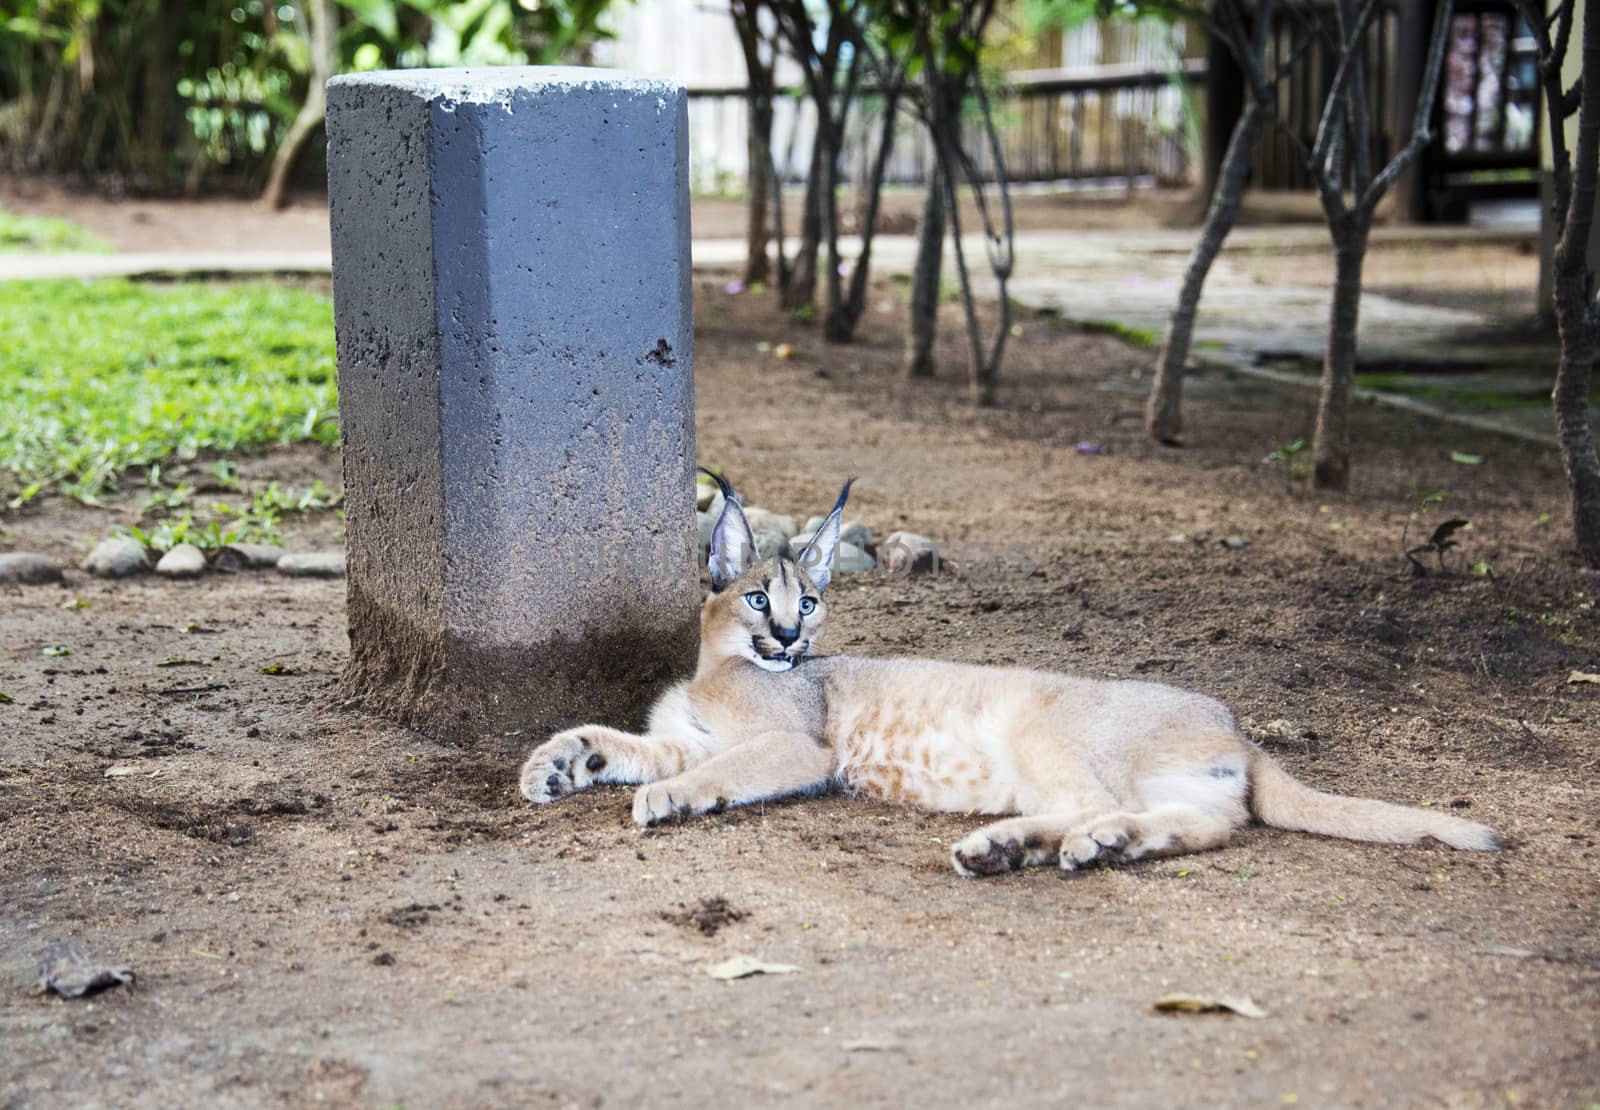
column 324, row 908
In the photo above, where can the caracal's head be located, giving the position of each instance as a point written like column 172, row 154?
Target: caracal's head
column 769, row 611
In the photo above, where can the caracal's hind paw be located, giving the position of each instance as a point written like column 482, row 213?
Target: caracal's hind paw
column 981, row 854
column 1103, row 841
column 566, row 762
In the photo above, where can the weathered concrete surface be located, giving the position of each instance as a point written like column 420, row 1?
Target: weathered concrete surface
column 513, row 306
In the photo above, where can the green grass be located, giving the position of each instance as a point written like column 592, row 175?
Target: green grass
column 102, row 376
column 46, row 235
column 1137, row 337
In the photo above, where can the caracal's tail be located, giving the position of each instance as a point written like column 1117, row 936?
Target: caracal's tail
column 1279, row 799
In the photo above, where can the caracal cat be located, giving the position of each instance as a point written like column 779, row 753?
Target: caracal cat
column 1083, row 771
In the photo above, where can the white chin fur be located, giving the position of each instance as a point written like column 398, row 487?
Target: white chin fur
column 777, row 666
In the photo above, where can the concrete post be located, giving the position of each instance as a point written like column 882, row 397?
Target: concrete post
column 513, row 305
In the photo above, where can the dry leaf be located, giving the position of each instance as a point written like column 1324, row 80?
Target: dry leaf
column 740, row 967
column 784, row 350
column 120, row 771
column 1583, row 676
column 1204, row 1004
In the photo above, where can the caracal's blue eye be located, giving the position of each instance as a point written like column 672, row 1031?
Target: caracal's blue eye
column 756, row 600
column 808, row 605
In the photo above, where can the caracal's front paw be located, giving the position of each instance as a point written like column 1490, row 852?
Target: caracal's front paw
column 656, row 802
column 982, row 854
column 566, row 762
column 1102, row 841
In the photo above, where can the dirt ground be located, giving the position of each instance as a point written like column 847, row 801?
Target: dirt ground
column 323, row 908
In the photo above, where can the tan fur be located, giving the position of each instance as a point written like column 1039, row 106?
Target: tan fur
column 1084, row 770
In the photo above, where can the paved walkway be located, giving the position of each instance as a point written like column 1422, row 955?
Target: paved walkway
column 1274, row 329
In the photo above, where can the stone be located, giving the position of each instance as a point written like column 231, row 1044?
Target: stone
column 850, row 559
column 907, row 553
column 766, row 518
column 183, row 561
column 247, row 556
column 770, row 543
column 117, row 557
column 798, row 541
column 315, row 564
column 24, row 568
column 858, row 534
column 812, row 524
column 512, row 300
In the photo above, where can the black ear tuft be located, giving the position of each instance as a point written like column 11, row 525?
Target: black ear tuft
column 816, row 559
column 722, row 484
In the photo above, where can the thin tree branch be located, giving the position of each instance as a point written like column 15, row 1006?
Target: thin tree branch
column 1422, row 119
column 1332, row 113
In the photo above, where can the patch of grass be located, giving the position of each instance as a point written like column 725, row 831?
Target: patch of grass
column 46, row 235
column 102, row 376
column 1137, row 337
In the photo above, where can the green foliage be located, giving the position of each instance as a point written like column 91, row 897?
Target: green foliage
column 45, row 235
column 1439, row 541
column 185, row 94
column 103, row 376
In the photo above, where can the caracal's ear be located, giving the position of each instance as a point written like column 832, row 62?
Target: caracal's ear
column 816, row 558
column 733, row 546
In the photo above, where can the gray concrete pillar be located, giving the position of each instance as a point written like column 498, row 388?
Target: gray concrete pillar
column 512, row 298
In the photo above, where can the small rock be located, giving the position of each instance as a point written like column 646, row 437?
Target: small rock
column 858, row 534
column 1235, row 543
column 23, row 568
column 117, row 557
column 850, row 559
column 770, row 543
column 799, row 540
column 813, row 523
column 184, row 561
column 909, row 553
column 316, row 564
column 762, row 519
column 247, row 556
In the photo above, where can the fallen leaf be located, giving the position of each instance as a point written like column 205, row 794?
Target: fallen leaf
column 1465, row 459
column 277, row 668
column 784, row 350
column 1205, row 1004
column 174, row 661
column 120, row 771
column 740, row 967
column 75, row 603
column 1583, row 676
column 6, row 699
column 56, row 650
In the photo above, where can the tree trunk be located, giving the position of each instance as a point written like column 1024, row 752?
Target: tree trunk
column 843, row 317
column 758, row 146
column 925, row 280
column 801, row 292
column 1330, row 455
column 1570, row 401
column 756, row 265
column 1163, row 415
column 323, row 15
column 1576, row 313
